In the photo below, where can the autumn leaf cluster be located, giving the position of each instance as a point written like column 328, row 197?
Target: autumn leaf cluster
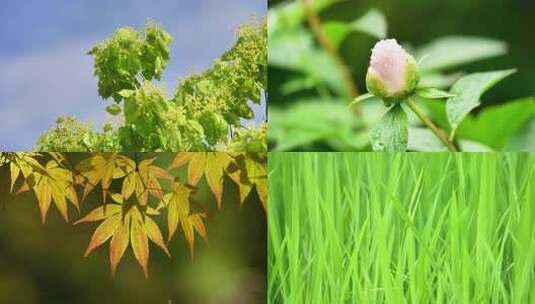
column 133, row 193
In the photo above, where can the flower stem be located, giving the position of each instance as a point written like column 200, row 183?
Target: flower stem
column 438, row 133
column 317, row 28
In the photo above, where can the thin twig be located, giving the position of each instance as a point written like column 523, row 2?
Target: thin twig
column 317, row 28
column 439, row 133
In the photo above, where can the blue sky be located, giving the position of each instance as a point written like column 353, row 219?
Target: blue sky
column 44, row 71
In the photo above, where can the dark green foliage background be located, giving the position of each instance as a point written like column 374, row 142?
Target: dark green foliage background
column 420, row 21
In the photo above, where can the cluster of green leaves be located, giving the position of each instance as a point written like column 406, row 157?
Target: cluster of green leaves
column 314, row 113
column 200, row 116
column 71, row 135
column 135, row 192
column 401, row 228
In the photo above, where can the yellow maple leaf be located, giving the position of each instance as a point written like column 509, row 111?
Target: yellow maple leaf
column 144, row 180
column 23, row 164
column 124, row 226
column 250, row 172
column 54, row 184
column 103, row 168
column 212, row 165
column 179, row 212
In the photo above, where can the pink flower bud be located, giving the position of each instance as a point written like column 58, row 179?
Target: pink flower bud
column 393, row 73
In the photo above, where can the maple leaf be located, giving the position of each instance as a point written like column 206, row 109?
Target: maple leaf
column 51, row 183
column 23, row 164
column 103, row 168
column 212, row 165
column 250, row 172
column 144, row 181
column 179, row 212
column 124, row 226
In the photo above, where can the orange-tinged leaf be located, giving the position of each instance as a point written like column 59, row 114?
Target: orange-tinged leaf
column 154, row 234
column 15, row 171
column 211, row 164
column 150, row 175
column 196, row 167
column 172, row 216
column 187, row 227
column 103, row 232
column 44, row 197
column 59, row 200
column 214, row 177
column 71, row 195
column 178, row 206
column 251, row 173
column 262, row 190
column 129, row 185
column 196, row 221
column 53, row 183
column 23, row 188
column 100, row 213
column 140, row 242
column 103, row 168
column 178, row 211
column 119, row 243
column 181, row 159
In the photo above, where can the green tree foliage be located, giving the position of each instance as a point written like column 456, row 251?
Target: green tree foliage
column 206, row 112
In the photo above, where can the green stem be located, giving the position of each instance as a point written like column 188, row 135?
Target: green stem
column 438, row 133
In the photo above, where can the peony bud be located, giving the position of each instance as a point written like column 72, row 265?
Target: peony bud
column 393, row 73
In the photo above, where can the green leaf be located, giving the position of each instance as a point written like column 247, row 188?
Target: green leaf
column 287, row 48
column 113, row 109
column 126, row 93
column 452, row 51
column 437, row 80
column 473, row 146
column 294, row 50
column 524, row 139
column 432, row 93
column 310, row 121
column 391, row 135
column 423, row 140
column 289, row 15
column 337, row 31
column 494, row 125
column 373, row 23
column 468, row 91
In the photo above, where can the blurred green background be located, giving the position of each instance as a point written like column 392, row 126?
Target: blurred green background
column 413, row 23
column 44, row 263
column 420, row 21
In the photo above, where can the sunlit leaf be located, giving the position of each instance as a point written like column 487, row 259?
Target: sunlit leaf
column 144, row 180
column 179, row 212
column 124, row 228
column 55, row 184
column 251, row 172
column 210, row 164
column 102, row 168
column 468, row 91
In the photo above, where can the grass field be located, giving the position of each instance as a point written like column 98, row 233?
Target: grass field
column 401, row 228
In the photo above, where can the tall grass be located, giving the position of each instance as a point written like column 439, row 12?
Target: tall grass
column 401, row 228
